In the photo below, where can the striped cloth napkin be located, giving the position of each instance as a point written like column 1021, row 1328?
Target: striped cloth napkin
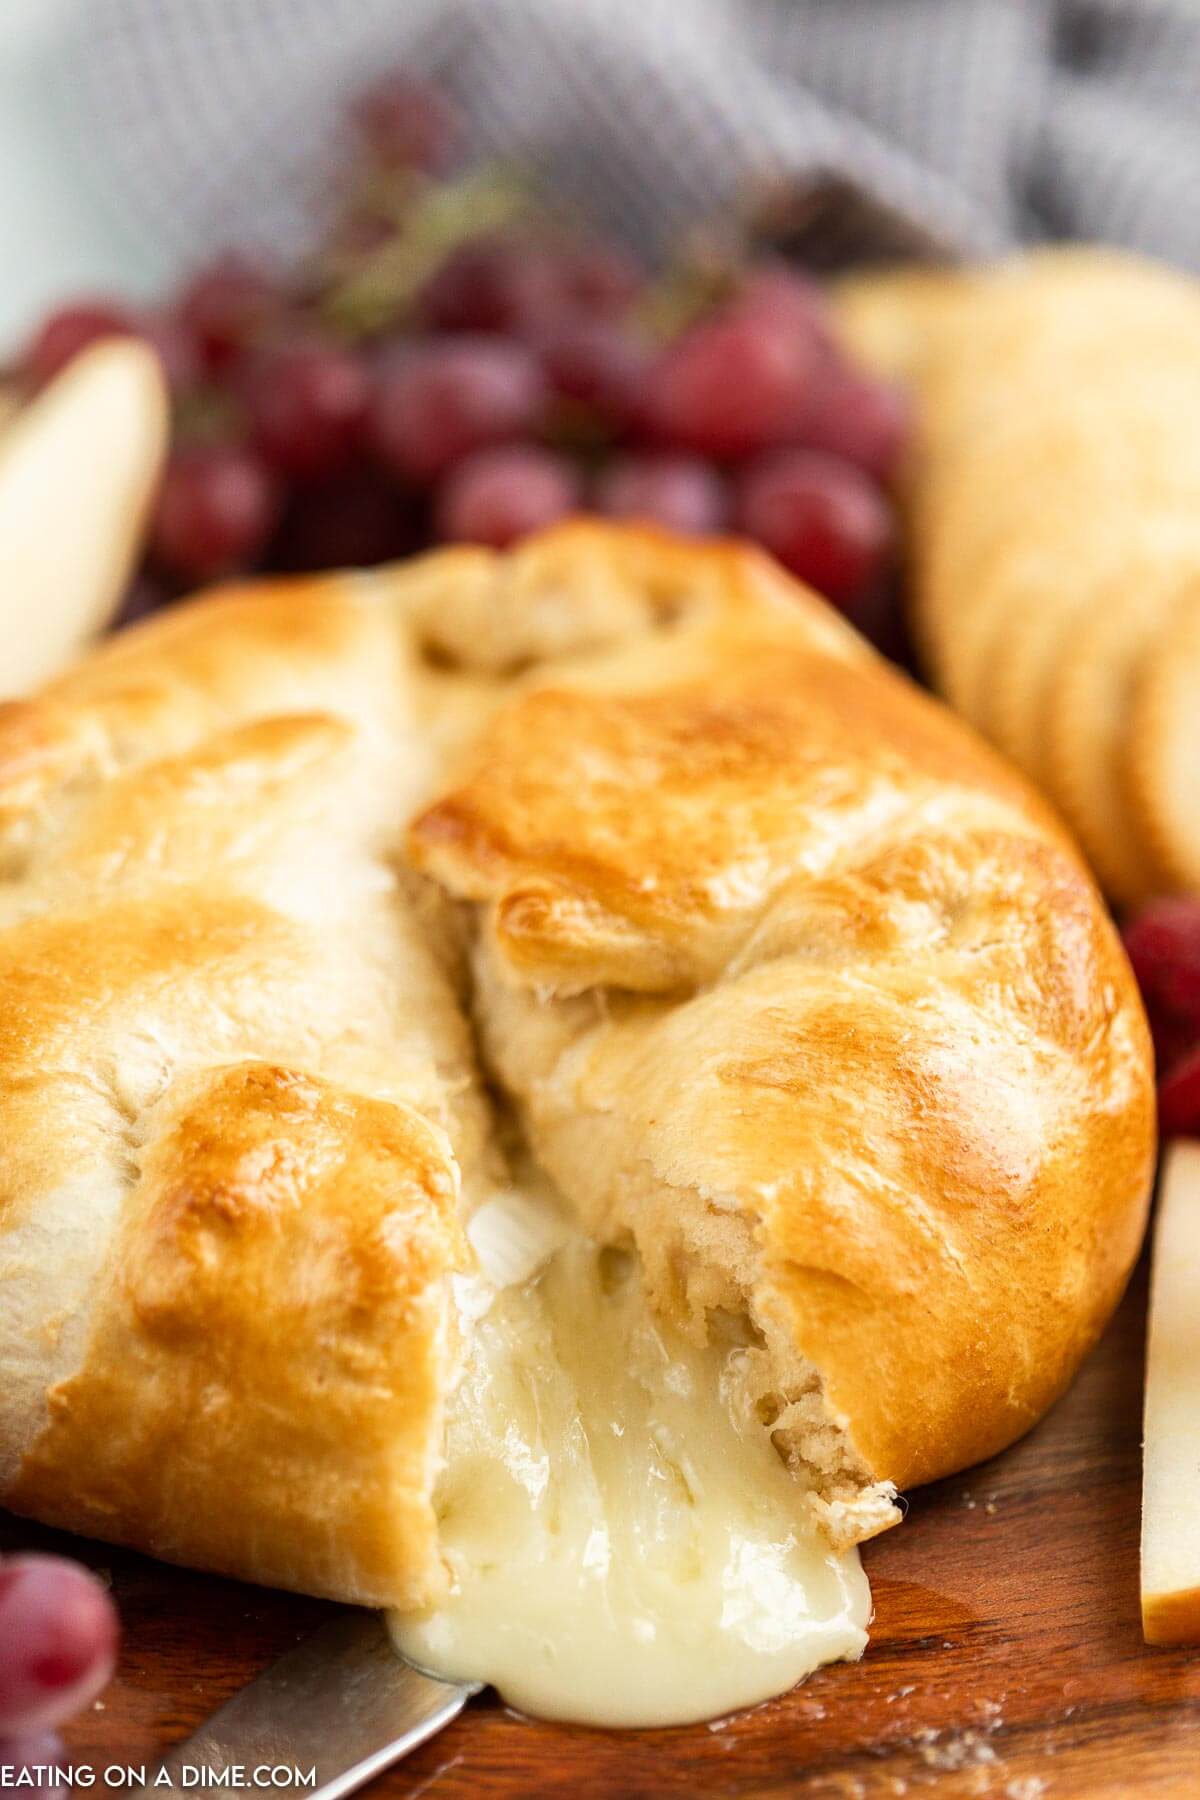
column 974, row 124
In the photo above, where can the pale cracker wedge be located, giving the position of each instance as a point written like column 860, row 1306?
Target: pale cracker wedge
column 1164, row 746
column 78, row 470
column 1170, row 1518
column 1088, row 724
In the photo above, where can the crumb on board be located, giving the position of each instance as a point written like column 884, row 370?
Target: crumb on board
column 955, row 1750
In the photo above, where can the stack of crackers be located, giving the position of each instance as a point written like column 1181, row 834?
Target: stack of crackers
column 1053, row 512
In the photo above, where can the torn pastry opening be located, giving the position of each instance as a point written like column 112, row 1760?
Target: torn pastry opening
column 636, row 1524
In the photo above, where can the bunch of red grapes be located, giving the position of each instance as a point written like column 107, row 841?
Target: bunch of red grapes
column 442, row 372
column 1163, row 944
column 58, row 1641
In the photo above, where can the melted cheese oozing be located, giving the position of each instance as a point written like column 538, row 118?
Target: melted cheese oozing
column 625, row 1545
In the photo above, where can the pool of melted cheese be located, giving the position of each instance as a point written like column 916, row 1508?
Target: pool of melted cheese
column 626, row 1547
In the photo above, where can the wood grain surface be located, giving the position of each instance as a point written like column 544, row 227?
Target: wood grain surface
column 1006, row 1656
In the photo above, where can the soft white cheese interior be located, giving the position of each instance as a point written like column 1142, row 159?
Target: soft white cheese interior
column 626, row 1546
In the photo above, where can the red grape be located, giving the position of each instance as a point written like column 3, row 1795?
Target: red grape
column 680, row 492
column 498, row 495
column 599, row 280
column 730, row 386
column 216, row 509
column 1162, row 942
column 1179, row 1097
column 1172, row 1040
column 71, row 329
column 307, row 405
column 514, row 282
column 785, row 298
column 863, row 421
column 58, row 1641
column 406, row 123
column 847, row 414
column 595, row 364
column 226, row 304
column 435, row 403
column 360, row 233
column 822, row 518
column 178, row 350
column 495, row 283
column 879, row 615
column 34, row 1750
column 351, row 523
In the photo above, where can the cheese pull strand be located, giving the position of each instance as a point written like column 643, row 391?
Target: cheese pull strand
column 1170, row 1519
column 625, row 1545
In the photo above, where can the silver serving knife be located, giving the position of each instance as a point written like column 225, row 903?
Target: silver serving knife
column 343, row 1702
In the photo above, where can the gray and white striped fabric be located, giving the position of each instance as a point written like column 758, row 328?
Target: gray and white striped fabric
column 979, row 122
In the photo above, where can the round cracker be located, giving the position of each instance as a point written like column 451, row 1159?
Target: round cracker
column 1055, row 432
column 1088, row 704
column 890, row 319
column 1059, row 501
column 1142, row 558
column 1034, row 585
column 1023, row 662
column 1164, row 746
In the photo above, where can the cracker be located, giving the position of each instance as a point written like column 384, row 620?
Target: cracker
column 1087, row 728
column 1066, row 496
column 1142, row 558
column 1024, row 660
column 888, row 319
column 1164, row 746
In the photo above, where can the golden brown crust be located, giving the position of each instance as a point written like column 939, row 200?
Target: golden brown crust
column 886, row 1025
column 626, row 829
column 262, row 1394
column 794, row 980
column 232, row 1063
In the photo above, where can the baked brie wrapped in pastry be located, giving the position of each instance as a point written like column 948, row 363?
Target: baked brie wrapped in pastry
column 336, row 912
column 1054, row 522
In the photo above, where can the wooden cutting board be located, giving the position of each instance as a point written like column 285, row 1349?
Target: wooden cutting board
column 1006, row 1658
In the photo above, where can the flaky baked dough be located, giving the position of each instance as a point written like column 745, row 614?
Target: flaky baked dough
column 791, row 980
column 1053, row 505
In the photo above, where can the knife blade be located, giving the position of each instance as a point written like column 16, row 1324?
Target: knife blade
column 344, row 1703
